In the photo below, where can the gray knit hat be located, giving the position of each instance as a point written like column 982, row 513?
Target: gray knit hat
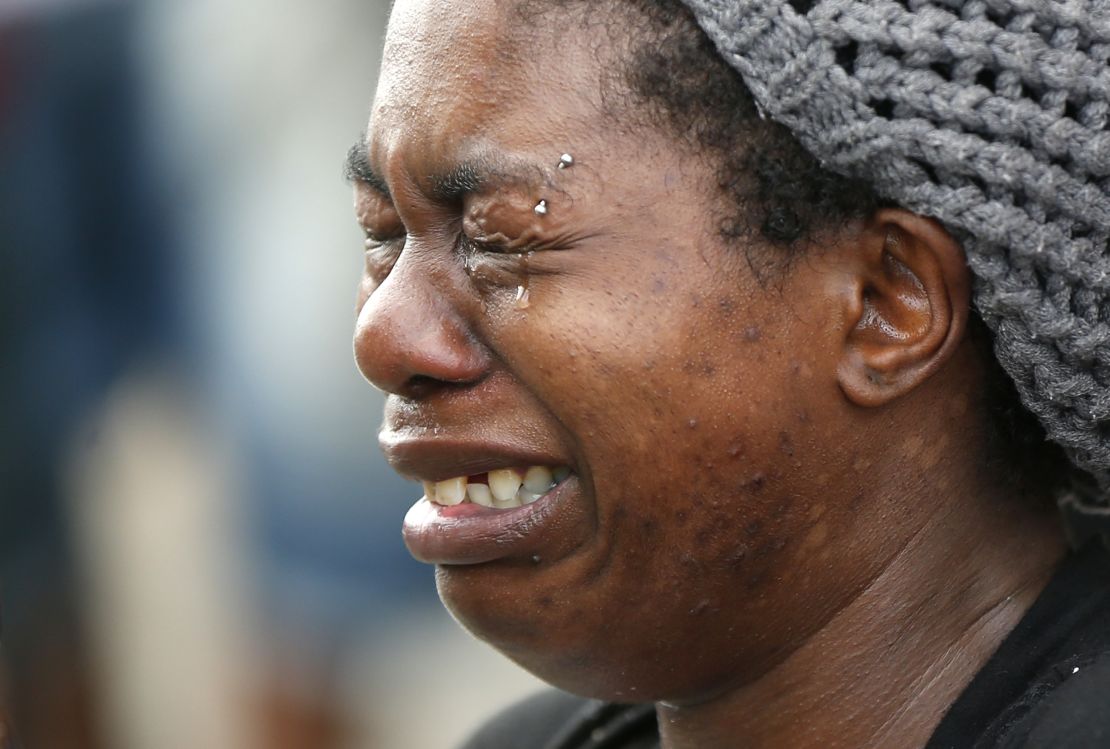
column 989, row 115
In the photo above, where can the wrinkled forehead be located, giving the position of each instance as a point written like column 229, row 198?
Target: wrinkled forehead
column 445, row 36
column 446, row 62
column 455, row 72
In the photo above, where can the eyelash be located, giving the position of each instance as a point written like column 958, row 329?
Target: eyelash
column 469, row 245
column 465, row 244
column 373, row 241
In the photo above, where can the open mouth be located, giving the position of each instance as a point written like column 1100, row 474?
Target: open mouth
column 502, row 489
column 504, row 513
column 488, row 499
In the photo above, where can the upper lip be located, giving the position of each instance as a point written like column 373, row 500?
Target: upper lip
column 425, row 455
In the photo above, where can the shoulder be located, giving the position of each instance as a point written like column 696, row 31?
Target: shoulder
column 557, row 720
column 1074, row 715
column 529, row 723
column 1048, row 684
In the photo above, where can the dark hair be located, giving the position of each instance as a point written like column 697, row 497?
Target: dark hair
column 775, row 190
column 675, row 80
column 768, row 180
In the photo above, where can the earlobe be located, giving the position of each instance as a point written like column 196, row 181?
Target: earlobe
column 908, row 301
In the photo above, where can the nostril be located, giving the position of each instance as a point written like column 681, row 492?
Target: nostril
column 411, row 337
column 417, row 359
column 420, row 386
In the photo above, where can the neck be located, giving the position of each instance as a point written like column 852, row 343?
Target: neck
column 883, row 671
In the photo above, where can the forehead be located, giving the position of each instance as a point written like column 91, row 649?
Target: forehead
column 460, row 76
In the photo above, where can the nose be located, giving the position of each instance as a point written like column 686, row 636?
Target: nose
column 410, row 338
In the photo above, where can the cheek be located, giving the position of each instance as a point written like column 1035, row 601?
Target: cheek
column 695, row 414
column 677, row 595
column 689, row 438
column 680, row 394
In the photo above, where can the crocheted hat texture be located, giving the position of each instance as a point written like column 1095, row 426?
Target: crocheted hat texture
column 990, row 116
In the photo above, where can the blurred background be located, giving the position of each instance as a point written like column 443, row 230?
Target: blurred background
column 199, row 543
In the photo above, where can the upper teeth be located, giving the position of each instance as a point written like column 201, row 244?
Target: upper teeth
column 507, row 487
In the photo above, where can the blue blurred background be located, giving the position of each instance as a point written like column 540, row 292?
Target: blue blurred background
column 199, row 544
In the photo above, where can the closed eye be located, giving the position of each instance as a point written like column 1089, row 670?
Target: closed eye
column 496, row 245
column 374, row 240
column 381, row 254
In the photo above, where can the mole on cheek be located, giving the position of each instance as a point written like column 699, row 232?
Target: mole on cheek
column 735, row 556
column 786, row 444
column 754, row 484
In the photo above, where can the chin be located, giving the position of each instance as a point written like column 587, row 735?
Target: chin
column 580, row 648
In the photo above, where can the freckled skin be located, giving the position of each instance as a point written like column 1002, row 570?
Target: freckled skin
column 704, row 412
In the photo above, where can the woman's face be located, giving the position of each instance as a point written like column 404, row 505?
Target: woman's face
column 708, row 524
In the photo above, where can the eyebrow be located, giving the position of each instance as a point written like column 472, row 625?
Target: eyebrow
column 467, row 178
column 358, row 169
column 464, row 179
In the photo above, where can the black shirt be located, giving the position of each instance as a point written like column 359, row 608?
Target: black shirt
column 1047, row 685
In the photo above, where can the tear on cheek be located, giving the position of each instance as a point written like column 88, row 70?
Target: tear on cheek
column 492, row 272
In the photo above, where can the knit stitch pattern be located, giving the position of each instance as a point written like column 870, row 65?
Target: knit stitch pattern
column 989, row 115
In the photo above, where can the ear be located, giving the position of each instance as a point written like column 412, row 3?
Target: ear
column 908, row 297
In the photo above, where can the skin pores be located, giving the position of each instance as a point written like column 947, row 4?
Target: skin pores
column 717, row 514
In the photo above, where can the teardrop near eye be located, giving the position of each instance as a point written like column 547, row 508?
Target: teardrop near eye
column 470, row 245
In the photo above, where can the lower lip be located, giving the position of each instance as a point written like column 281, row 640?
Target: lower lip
column 472, row 534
